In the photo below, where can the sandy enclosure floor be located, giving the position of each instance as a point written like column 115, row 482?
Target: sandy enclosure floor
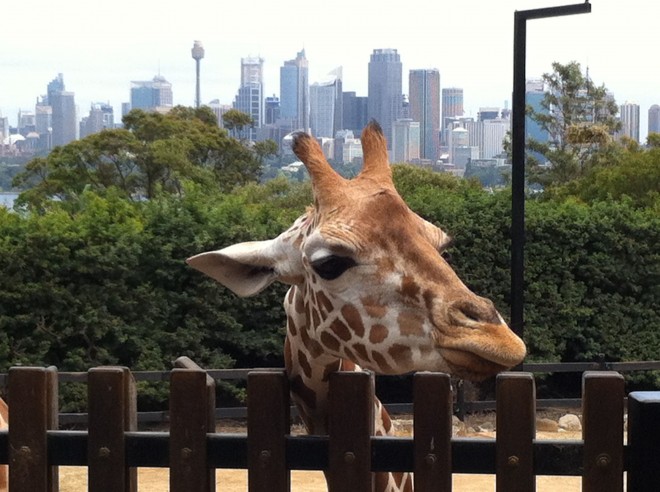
column 74, row 479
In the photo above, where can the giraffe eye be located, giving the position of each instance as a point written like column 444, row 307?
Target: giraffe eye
column 331, row 267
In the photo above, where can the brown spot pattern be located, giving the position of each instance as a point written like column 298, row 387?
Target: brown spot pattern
column 291, row 325
column 409, row 288
column 339, row 328
column 353, row 318
column 304, row 363
column 361, row 352
column 378, row 333
column 316, row 320
column 347, row 365
column 411, row 324
column 329, row 341
column 401, row 353
column 375, row 310
column 329, row 369
column 349, row 354
column 299, row 304
column 380, row 361
column 314, row 348
column 324, row 302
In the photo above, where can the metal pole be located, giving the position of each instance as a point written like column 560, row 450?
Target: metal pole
column 518, row 152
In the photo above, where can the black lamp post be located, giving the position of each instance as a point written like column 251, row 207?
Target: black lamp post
column 518, row 151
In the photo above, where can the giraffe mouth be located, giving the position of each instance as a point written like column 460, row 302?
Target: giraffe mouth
column 470, row 366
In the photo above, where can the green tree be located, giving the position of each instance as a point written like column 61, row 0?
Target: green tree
column 631, row 173
column 265, row 149
column 579, row 118
column 154, row 154
column 236, row 122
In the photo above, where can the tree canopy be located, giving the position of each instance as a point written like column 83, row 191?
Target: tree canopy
column 154, row 153
column 579, row 118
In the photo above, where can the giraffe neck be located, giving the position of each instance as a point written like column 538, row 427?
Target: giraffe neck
column 309, row 367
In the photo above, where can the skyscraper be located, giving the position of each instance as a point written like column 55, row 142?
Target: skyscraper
column 385, row 95
column 250, row 97
column 406, row 137
column 654, row 119
column 64, row 120
column 272, row 109
column 452, row 107
column 101, row 117
column 424, row 99
column 294, row 92
column 629, row 114
column 354, row 112
column 152, row 95
column 325, row 105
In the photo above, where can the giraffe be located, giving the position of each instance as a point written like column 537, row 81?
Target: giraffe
column 369, row 290
column 4, row 424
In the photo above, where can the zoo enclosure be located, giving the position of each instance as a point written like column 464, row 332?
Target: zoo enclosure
column 112, row 448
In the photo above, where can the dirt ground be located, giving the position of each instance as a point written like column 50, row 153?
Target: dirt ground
column 74, row 479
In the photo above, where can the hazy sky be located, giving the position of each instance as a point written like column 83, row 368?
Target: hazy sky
column 101, row 46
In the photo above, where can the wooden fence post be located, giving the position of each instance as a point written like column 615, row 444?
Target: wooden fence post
column 268, row 426
column 351, row 425
column 192, row 416
column 516, row 424
column 112, row 411
column 643, row 441
column 602, row 431
column 33, row 411
column 432, row 400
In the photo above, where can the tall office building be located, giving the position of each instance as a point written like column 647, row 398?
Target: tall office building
column 4, row 129
column 26, row 122
column 272, row 110
column 101, row 117
column 452, row 107
column 424, row 107
column 485, row 114
column 629, row 115
column 355, row 110
column 294, row 92
column 325, row 105
column 44, row 123
column 65, row 124
column 385, row 97
column 654, row 119
column 406, row 139
column 250, row 97
column 63, row 106
column 152, row 95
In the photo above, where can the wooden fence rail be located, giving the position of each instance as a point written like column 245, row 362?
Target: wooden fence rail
column 112, row 448
column 462, row 406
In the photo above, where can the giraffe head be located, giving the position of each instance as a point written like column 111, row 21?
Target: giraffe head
column 368, row 277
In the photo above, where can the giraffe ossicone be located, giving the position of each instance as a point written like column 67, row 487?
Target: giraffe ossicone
column 369, row 287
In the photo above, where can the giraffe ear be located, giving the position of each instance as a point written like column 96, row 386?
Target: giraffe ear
column 244, row 268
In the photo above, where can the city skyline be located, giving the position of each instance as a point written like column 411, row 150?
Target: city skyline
column 470, row 45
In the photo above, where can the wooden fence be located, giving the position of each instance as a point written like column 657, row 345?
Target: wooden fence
column 112, row 447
